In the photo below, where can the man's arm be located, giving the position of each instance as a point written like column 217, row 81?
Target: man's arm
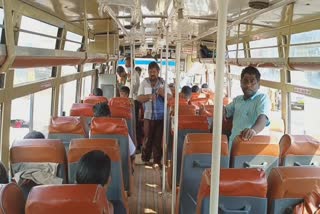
column 161, row 92
column 258, row 126
column 146, row 97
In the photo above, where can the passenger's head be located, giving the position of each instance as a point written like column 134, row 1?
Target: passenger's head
column 3, row 174
column 139, row 70
column 121, row 72
column 204, row 85
column 128, row 63
column 186, row 92
column 34, row 135
column 250, row 81
column 124, row 91
column 153, row 70
column 97, row 92
column 195, row 89
column 94, row 168
column 101, row 110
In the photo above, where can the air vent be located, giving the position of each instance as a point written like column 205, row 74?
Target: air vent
column 259, row 4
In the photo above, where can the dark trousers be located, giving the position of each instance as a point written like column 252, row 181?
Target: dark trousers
column 153, row 131
column 137, row 107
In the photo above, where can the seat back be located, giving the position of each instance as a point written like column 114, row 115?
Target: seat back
column 95, row 99
column 240, row 191
column 115, row 128
column 259, row 152
column 38, row 152
column 297, row 150
column 199, row 101
column 110, row 147
column 288, row 185
column 196, row 158
column 71, row 198
column 11, row 199
column 82, row 109
column 67, row 128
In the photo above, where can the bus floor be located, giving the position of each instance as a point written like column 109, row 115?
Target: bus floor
column 147, row 196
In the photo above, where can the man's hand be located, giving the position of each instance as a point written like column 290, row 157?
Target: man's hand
column 247, row 134
column 161, row 91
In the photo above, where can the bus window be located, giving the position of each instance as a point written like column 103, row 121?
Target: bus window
column 20, row 117
column 88, row 67
column 42, row 110
column 311, row 50
column 232, row 51
column 86, row 86
column 236, row 69
column 307, row 79
column 66, row 70
column 1, row 20
column 304, row 119
column 23, row 75
column 272, row 74
column 37, row 41
column 75, row 42
column 67, row 96
column 261, row 50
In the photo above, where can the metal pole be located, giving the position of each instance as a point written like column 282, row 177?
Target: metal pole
column 161, row 62
column 132, row 68
column 176, row 120
column 217, row 126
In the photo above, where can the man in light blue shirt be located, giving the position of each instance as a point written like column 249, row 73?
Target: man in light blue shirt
column 251, row 110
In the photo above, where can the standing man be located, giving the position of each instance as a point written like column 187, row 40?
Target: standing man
column 151, row 94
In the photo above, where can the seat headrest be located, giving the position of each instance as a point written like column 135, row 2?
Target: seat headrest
column 299, row 145
column 120, row 101
column 182, row 101
column 79, row 147
column 251, row 182
column 199, row 101
column 193, row 122
column 38, row 150
column 95, row 99
column 121, row 111
column 107, row 125
column 258, row 145
column 67, row 198
column 82, row 109
column 292, row 182
column 11, row 199
column 201, row 143
column 186, row 110
column 67, row 125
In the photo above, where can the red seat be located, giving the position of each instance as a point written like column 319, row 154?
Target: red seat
column 66, row 199
column 95, row 99
column 207, row 110
column 82, row 109
column 186, row 110
column 68, row 125
column 11, row 199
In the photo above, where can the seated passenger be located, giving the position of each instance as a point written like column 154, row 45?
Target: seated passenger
column 195, row 89
column 94, row 168
column 97, row 92
column 186, row 93
column 34, row 135
column 204, row 86
column 3, row 174
column 250, row 111
column 124, row 91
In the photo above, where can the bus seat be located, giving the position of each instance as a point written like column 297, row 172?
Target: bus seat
column 66, row 199
column 196, row 157
column 92, row 99
column 199, row 102
column 11, row 199
column 207, row 110
column 188, row 124
column 80, row 147
column 38, row 151
column 260, row 152
column 82, row 109
column 186, row 110
column 122, row 107
column 240, row 191
column 67, row 128
column 288, row 185
column 171, row 102
column 297, row 150
column 115, row 128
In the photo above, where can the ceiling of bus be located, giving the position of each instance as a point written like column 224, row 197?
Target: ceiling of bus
column 145, row 22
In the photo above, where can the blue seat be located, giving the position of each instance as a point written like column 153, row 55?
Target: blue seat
column 259, row 152
column 299, row 150
column 196, row 157
column 79, row 147
column 240, row 191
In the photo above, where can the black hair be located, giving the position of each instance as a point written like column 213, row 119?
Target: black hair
column 101, row 110
column 204, row 85
column 97, row 92
column 125, row 89
column 251, row 70
column 120, row 70
column 187, row 91
column 3, row 174
column 34, row 135
column 195, row 89
column 153, row 65
column 93, row 168
column 138, row 69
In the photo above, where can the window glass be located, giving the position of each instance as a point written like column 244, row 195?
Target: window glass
column 263, row 51
column 306, row 79
column 37, row 41
column 68, row 96
column 232, row 51
column 42, row 110
column 236, row 69
column 86, row 86
column 235, row 88
column 20, row 118
column 88, row 67
column 272, row 74
column 73, row 46
column 66, row 70
column 1, row 20
column 312, row 50
column 23, row 75
column 303, row 117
